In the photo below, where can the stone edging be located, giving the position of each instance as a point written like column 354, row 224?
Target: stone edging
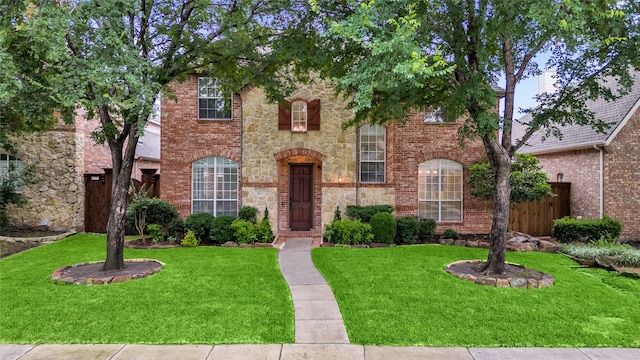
column 517, row 282
column 37, row 239
column 58, row 274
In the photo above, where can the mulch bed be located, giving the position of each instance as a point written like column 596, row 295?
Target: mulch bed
column 515, row 276
column 91, row 274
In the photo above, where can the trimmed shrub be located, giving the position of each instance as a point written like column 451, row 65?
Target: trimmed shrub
column 427, row 229
column 221, row 230
column 176, row 228
column 248, row 213
column 244, row 231
column 349, row 232
column 155, row 230
column 364, row 213
column 201, row 224
column 383, row 226
column 587, row 230
column 408, row 229
column 190, row 240
column 450, row 234
column 144, row 210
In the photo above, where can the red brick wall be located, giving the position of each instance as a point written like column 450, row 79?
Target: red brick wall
column 417, row 142
column 185, row 139
column 622, row 178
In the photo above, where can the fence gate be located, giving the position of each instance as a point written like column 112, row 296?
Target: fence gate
column 536, row 217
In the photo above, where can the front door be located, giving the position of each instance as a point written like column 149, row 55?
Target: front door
column 300, row 197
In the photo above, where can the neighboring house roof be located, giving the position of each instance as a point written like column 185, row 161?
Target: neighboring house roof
column 149, row 146
column 575, row 137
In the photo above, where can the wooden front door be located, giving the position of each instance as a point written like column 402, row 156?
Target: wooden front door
column 300, row 197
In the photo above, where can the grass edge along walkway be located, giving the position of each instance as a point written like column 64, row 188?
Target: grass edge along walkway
column 204, row 295
column 403, row 297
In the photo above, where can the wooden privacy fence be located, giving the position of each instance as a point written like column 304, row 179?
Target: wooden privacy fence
column 536, row 217
column 97, row 197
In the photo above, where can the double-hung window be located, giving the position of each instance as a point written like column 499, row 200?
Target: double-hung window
column 372, row 153
column 299, row 116
column 215, row 186
column 213, row 103
column 11, row 170
column 434, row 115
column 440, row 190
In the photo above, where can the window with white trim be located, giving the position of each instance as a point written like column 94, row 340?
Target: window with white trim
column 11, row 169
column 215, row 186
column 372, row 153
column 299, row 116
column 434, row 115
column 212, row 102
column 440, row 190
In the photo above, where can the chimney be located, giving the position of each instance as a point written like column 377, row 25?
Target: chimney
column 546, row 81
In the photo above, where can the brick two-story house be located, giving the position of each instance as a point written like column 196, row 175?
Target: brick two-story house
column 296, row 160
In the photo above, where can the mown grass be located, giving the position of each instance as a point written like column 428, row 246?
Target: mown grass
column 403, row 296
column 205, row 295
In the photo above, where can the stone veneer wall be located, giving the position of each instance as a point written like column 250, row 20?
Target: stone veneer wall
column 336, row 196
column 261, row 197
column 59, row 196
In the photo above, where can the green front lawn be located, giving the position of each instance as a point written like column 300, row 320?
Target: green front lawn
column 403, row 296
column 204, row 295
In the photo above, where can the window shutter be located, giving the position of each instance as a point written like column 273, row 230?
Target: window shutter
column 313, row 115
column 284, row 115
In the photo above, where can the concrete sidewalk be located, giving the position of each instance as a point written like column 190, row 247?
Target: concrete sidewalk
column 302, row 351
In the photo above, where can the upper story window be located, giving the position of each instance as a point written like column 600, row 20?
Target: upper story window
column 372, row 153
column 299, row 115
column 212, row 103
column 440, row 190
column 560, row 177
column 215, row 186
column 434, row 115
column 11, row 170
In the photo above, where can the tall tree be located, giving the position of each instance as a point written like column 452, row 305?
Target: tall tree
column 113, row 57
column 407, row 54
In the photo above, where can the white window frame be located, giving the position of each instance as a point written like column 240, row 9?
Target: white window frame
column 299, row 116
column 214, row 180
column 9, row 164
column 434, row 116
column 208, row 90
column 372, row 153
column 435, row 187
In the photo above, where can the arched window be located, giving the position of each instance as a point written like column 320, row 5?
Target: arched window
column 299, row 116
column 11, row 170
column 215, row 186
column 560, row 177
column 440, row 190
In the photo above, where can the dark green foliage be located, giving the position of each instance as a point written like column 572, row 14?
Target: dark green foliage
column 427, row 229
column 156, row 232
column 348, row 232
column 266, row 213
column 176, row 228
column 248, row 213
column 144, row 210
column 450, row 234
column 336, row 214
column 364, row 213
column 383, row 225
column 8, row 186
column 527, row 179
column 221, row 231
column 201, row 224
column 587, row 230
column 264, row 234
column 408, row 229
column 244, row 231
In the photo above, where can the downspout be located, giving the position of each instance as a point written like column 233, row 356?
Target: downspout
column 601, row 149
column 240, row 178
column 357, row 166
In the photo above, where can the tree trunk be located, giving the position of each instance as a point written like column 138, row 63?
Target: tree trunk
column 501, row 164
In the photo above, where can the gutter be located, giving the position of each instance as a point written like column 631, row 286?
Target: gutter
column 601, row 149
column 583, row 146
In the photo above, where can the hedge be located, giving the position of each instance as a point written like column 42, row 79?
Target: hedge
column 587, row 230
column 364, row 213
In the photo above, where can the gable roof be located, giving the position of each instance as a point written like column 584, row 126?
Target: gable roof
column 575, row 137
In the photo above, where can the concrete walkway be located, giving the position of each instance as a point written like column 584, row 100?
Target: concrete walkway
column 317, row 316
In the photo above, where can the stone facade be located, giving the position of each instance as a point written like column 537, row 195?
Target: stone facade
column 57, row 199
column 265, row 154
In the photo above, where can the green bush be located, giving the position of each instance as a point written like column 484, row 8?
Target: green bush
column 176, row 228
column 190, row 240
column 587, row 230
column 248, row 213
column 144, row 210
column 364, row 213
column 221, row 230
column 427, row 229
column 264, row 233
column 383, row 226
column 349, row 232
column 408, row 229
column 450, row 234
column 336, row 214
column 156, row 232
column 244, row 231
column 201, row 224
